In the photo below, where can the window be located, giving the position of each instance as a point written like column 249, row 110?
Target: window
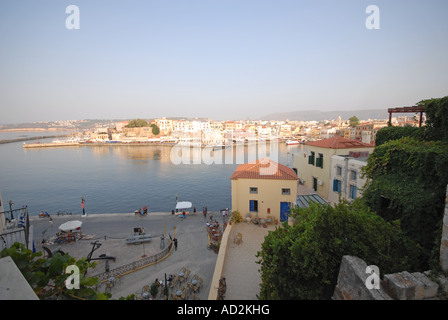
column 320, row 161
column 353, row 175
column 339, row 171
column 337, row 185
column 286, row 191
column 253, row 190
column 253, row 205
column 353, row 192
column 311, row 158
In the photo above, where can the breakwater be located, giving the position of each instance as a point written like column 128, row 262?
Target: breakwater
column 30, row 138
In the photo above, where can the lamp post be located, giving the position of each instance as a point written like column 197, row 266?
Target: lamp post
column 10, row 208
column 82, row 206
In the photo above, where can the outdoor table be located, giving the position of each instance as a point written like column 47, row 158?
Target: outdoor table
column 194, row 281
column 179, row 292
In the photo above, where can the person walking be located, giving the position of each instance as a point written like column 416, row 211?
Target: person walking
column 175, row 244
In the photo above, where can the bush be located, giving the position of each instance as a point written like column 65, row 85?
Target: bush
column 236, row 217
column 302, row 261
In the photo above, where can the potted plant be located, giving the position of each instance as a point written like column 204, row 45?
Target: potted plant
column 235, row 217
column 154, row 290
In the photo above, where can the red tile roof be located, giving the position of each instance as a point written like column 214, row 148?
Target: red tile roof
column 263, row 169
column 339, row 143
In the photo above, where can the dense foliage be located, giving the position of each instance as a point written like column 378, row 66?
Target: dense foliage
column 155, row 129
column 137, row 123
column 407, row 181
column 47, row 276
column 407, row 175
column 302, row 261
column 437, row 118
column 395, row 133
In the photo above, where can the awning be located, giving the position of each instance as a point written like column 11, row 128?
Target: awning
column 304, row 201
column 183, row 205
column 70, row 225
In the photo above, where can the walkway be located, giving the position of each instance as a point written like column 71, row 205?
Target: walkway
column 240, row 268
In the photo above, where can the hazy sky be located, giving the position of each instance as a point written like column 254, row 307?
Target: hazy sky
column 224, row 59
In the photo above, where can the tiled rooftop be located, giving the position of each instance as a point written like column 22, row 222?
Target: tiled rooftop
column 339, row 143
column 263, row 169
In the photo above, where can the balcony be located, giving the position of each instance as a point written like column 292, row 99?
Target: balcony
column 14, row 227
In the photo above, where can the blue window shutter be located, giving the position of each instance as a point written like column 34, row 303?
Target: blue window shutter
column 251, row 205
column 335, row 185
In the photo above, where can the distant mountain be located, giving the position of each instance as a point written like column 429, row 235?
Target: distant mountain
column 309, row 115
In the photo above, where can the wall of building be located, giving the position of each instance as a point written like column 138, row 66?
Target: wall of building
column 347, row 165
column 306, row 172
column 269, row 195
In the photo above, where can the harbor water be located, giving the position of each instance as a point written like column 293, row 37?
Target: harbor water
column 114, row 179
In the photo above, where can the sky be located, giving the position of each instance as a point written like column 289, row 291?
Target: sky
column 221, row 59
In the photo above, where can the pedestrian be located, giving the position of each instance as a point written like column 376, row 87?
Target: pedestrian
column 51, row 222
column 175, row 243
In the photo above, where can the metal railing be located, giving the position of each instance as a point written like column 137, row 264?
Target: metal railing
column 136, row 265
column 16, row 227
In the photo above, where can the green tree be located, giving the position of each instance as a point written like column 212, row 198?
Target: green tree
column 137, row 123
column 155, row 129
column 406, row 181
column 437, row 118
column 354, row 121
column 47, row 276
column 302, row 261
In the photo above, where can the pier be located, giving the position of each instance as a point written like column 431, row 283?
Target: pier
column 30, row 138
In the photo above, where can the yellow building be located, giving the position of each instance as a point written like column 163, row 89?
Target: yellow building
column 263, row 187
column 313, row 164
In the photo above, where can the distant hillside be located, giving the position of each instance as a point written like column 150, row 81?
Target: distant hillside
column 309, row 115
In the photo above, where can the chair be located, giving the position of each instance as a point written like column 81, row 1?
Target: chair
column 198, row 285
column 145, row 291
column 187, row 274
column 238, row 238
column 173, row 282
column 138, row 296
column 184, row 294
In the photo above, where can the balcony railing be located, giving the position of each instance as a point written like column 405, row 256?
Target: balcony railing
column 15, row 228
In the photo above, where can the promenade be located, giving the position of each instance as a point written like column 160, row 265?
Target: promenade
column 240, row 268
column 239, row 265
column 112, row 229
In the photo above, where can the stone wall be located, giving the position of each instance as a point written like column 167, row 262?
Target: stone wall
column 444, row 240
column 353, row 275
column 351, row 284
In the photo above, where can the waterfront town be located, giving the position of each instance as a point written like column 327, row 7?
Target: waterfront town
column 326, row 169
column 211, row 132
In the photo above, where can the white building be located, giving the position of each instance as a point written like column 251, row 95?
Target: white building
column 346, row 179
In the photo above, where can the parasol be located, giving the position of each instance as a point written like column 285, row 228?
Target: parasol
column 70, row 225
column 183, row 205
